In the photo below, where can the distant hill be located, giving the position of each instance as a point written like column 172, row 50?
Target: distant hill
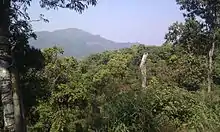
column 76, row 42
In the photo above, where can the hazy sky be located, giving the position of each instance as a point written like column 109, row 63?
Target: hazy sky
column 144, row 21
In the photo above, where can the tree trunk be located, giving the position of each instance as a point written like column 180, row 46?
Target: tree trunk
column 210, row 80
column 5, row 78
column 17, row 100
column 143, row 70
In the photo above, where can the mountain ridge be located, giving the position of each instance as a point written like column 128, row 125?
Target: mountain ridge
column 76, row 42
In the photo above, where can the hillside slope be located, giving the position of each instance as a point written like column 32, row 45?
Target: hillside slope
column 76, row 42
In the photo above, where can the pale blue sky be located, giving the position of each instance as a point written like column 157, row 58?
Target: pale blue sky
column 144, row 21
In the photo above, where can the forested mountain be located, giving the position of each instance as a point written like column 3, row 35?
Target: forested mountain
column 75, row 42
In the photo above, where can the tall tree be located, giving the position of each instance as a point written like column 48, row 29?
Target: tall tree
column 208, row 11
column 15, row 11
column 6, row 89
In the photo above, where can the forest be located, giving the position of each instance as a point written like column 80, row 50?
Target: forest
column 44, row 91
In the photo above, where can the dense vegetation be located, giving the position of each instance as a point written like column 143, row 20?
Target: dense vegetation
column 103, row 92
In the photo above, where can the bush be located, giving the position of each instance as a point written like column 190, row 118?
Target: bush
column 159, row 108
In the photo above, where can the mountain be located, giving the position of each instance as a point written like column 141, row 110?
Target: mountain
column 75, row 42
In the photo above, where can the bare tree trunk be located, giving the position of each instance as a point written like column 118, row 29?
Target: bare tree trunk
column 6, row 97
column 143, row 70
column 18, row 111
column 210, row 80
column 5, row 78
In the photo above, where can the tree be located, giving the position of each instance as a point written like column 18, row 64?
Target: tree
column 208, row 12
column 20, row 32
column 62, row 105
column 15, row 11
column 190, row 35
column 6, row 89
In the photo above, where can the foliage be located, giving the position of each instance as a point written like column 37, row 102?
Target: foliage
column 191, row 35
column 159, row 108
column 199, row 36
column 103, row 92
